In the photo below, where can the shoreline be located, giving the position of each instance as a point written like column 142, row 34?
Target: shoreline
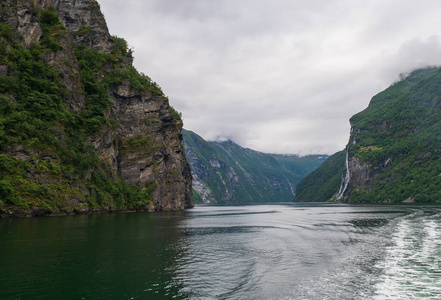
column 48, row 213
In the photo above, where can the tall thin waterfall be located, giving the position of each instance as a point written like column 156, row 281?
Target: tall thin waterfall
column 345, row 177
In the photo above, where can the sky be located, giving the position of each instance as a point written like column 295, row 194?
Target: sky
column 276, row 76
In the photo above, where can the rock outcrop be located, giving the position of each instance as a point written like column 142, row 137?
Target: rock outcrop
column 85, row 23
column 113, row 144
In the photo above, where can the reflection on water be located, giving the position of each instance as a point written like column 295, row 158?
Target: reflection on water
column 286, row 251
column 119, row 256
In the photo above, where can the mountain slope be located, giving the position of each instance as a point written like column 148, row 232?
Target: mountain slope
column 80, row 129
column 224, row 172
column 323, row 183
column 394, row 150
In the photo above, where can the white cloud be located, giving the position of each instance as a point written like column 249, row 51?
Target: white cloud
column 276, row 76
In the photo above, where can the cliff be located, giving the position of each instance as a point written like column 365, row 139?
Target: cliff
column 81, row 130
column 224, row 172
column 394, row 149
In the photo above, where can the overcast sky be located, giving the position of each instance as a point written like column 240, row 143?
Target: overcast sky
column 278, row 76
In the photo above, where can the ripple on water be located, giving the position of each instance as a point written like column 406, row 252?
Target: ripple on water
column 339, row 252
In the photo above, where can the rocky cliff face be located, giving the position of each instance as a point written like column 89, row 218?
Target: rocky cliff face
column 84, row 23
column 113, row 137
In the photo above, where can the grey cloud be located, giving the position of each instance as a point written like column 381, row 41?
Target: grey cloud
column 277, row 76
column 413, row 54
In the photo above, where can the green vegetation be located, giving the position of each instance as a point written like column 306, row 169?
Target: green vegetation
column 97, row 79
column 176, row 115
column 94, row 5
column 138, row 144
column 398, row 140
column 235, row 174
column 44, row 156
column 399, row 134
column 52, row 29
column 106, row 191
column 322, row 184
column 196, row 197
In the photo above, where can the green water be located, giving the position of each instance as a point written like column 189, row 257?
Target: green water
column 118, row 256
column 281, row 252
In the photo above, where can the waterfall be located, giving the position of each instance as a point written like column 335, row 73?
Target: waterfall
column 345, row 177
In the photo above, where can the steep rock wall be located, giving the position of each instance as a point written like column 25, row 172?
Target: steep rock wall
column 138, row 144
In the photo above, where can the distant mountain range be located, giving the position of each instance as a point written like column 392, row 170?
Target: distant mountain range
column 394, row 150
column 224, row 172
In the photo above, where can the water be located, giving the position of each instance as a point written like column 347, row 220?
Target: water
column 285, row 251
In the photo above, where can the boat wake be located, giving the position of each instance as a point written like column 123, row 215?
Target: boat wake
column 412, row 264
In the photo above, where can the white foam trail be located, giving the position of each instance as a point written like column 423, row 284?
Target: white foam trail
column 411, row 268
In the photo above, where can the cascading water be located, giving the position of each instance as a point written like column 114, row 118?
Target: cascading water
column 345, row 177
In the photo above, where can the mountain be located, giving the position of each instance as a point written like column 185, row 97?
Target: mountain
column 224, row 172
column 322, row 183
column 81, row 130
column 394, row 149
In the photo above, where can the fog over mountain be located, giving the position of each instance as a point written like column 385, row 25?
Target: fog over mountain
column 276, row 76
